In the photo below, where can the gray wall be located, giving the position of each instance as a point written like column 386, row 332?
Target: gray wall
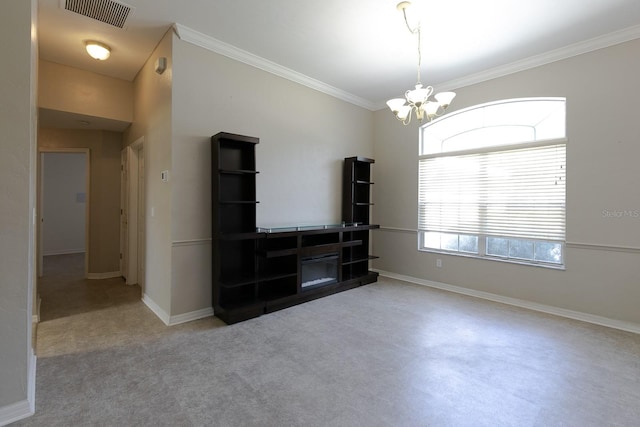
column 602, row 274
column 64, row 178
column 304, row 136
column 152, row 119
column 17, row 198
column 69, row 89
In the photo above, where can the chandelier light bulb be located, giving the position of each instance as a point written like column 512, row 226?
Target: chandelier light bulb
column 432, row 109
column 97, row 50
column 404, row 112
column 396, row 104
column 444, row 98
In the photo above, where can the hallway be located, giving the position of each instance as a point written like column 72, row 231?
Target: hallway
column 65, row 292
column 79, row 315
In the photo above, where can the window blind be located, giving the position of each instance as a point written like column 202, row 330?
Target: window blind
column 509, row 192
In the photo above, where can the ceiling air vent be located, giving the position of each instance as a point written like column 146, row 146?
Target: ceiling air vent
column 107, row 11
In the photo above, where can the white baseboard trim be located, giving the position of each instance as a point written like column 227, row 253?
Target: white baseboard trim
column 178, row 319
column 107, row 275
column 188, row 317
column 25, row 408
column 63, row 252
column 35, row 317
column 12, row 413
column 163, row 315
column 31, row 382
column 570, row 314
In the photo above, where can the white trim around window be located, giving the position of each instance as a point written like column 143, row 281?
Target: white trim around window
column 492, row 182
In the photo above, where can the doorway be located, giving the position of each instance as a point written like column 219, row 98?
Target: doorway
column 63, row 208
column 67, row 286
column 132, row 214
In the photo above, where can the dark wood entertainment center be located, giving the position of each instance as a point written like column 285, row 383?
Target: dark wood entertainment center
column 261, row 270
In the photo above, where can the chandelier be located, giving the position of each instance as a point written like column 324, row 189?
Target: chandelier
column 417, row 100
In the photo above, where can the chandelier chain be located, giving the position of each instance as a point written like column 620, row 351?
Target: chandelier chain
column 417, row 32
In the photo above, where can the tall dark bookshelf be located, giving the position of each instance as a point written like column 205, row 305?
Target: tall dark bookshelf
column 356, row 209
column 233, row 197
column 356, row 190
column 257, row 271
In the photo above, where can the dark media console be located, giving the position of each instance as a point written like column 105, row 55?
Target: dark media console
column 259, row 270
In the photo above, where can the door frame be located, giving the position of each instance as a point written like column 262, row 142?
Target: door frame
column 40, row 193
column 133, row 201
column 124, row 213
column 142, row 225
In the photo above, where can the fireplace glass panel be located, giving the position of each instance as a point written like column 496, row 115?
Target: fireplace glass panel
column 319, row 271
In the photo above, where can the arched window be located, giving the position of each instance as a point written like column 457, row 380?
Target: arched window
column 492, row 181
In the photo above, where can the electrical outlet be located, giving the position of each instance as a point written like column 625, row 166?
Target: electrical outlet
column 438, row 263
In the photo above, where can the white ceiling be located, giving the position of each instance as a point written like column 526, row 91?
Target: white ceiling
column 359, row 47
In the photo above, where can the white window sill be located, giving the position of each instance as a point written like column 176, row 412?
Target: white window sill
column 560, row 267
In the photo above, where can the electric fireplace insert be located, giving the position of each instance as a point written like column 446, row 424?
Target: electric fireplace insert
column 319, row 270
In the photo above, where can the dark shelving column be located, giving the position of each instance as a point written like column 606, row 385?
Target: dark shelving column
column 278, row 265
column 356, row 208
column 356, row 190
column 233, row 196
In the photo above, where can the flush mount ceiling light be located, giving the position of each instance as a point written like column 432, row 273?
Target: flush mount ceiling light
column 417, row 100
column 97, row 50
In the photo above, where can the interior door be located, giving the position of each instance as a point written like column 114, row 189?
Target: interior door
column 141, row 219
column 124, row 209
column 40, row 221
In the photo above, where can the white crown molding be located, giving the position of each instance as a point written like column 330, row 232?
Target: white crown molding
column 570, row 314
column 207, row 42
column 572, row 50
column 199, row 39
column 607, row 40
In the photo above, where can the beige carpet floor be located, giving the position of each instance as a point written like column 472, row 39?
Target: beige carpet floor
column 386, row 354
